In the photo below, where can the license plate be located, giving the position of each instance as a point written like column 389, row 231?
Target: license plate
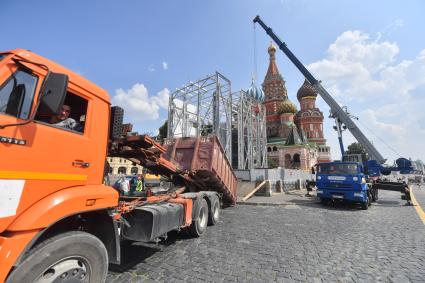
column 337, row 197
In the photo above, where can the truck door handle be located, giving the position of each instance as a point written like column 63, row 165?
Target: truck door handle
column 81, row 163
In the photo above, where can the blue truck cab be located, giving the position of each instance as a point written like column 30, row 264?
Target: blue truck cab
column 343, row 181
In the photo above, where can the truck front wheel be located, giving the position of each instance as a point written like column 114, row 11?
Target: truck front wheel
column 69, row 257
column 365, row 205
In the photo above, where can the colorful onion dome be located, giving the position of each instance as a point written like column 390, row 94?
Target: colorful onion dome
column 306, row 90
column 287, row 106
column 255, row 92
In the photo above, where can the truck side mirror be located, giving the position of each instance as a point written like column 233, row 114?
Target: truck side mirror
column 52, row 94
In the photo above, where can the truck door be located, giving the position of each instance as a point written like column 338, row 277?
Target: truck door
column 39, row 158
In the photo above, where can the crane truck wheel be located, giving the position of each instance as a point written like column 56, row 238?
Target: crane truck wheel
column 199, row 224
column 214, row 214
column 69, row 257
column 369, row 197
column 365, row 205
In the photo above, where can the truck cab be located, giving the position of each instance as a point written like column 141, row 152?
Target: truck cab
column 50, row 175
column 343, row 181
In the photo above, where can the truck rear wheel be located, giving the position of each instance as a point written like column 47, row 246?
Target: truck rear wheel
column 69, row 257
column 214, row 214
column 199, row 224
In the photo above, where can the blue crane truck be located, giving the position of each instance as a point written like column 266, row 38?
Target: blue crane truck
column 344, row 181
column 351, row 179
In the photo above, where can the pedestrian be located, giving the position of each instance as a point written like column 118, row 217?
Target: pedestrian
column 407, row 193
column 133, row 185
column 139, row 184
column 124, row 185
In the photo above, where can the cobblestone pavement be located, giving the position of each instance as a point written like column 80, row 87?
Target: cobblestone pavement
column 298, row 242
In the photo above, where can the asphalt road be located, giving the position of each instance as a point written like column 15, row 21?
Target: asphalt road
column 303, row 241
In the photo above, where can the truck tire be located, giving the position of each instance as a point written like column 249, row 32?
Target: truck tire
column 199, row 224
column 69, row 257
column 365, row 205
column 369, row 197
column 214, row 213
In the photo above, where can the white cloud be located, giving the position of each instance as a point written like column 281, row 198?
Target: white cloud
column 151, row 69
column 165, row 65
column 162, row 98
column 387, row 94
column 138, row 104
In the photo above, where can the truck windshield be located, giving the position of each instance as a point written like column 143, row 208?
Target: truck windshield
column 337, row 169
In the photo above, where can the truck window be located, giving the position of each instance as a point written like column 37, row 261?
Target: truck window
column 71, row 116
column 2, row 56
column 17, row 93
column 338, row 169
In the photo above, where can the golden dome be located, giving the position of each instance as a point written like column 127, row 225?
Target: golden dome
column 272, row 48
column 287, row 107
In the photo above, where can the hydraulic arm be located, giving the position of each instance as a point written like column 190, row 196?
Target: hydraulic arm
column 336, row 110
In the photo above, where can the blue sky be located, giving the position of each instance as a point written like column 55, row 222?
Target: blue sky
column 367, row 52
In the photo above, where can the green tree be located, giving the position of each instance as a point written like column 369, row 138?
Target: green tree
column 273, row 163
column 356, row 148
column 206, row 129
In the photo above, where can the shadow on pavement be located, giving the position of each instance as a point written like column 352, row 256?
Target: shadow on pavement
column 339, row 205
column 389, row 203
column 133, row 253
column 345, row 206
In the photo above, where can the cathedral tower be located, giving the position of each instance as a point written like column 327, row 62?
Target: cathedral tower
column 310, row 120
column 280, row 110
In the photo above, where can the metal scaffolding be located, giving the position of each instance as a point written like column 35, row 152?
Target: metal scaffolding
column 208, row 106
column 251, row 128
column 201, row 108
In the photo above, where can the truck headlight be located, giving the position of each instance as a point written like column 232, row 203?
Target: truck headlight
column 363, row 180
column 355, row 179
column 319, row 177
column 319, row 192
column 360, row 194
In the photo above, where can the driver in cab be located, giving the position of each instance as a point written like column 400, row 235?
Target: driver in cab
column 63, row 120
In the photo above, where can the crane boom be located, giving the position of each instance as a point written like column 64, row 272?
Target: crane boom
column 336, row 110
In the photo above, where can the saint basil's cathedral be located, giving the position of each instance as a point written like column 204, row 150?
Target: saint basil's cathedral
column 294, row 138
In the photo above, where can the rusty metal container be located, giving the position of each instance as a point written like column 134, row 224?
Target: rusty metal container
column 206, row 165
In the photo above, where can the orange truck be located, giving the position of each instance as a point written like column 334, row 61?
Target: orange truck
column 58, row 221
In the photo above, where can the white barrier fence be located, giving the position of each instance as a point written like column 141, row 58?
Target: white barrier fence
column 279, row 178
